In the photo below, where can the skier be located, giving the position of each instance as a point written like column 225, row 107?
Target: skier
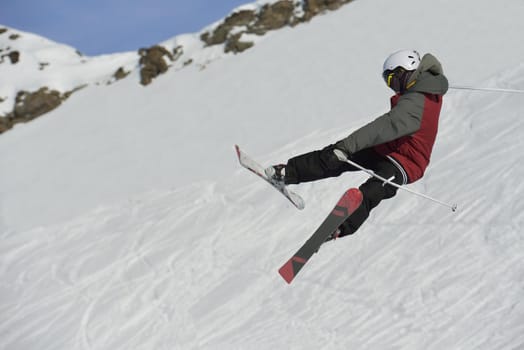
column 396, row 145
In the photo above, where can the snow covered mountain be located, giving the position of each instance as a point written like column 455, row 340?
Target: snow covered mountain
column 39, row 74
column 127, row 223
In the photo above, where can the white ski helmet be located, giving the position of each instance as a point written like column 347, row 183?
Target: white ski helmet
column 407, row 59
column 399, row 67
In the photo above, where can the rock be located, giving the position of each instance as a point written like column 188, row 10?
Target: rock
column 5, row 125
column 152, row 63
column 120, row 74
column 29, row 105
column 274, row 16
column 221, row 33
column 235, row 45
column 43, row 65
column 177, row 52
column 315, row 7
column 14, row 56
column 269, row 17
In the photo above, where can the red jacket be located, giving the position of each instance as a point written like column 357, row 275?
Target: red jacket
column 413, row 151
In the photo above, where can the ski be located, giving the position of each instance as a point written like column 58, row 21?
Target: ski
column 346, row 205
column 250, row 164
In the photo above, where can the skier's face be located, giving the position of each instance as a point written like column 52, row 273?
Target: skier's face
column 393, row 78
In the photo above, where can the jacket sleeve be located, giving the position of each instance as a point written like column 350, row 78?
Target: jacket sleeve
column 403, row 119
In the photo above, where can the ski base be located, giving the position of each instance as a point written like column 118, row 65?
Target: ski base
column 346, row 205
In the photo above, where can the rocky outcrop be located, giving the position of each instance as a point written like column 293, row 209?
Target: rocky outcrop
column 269, row 17
column 275, row 16
column 30, row 105
column 152, row 63
column 221, row 33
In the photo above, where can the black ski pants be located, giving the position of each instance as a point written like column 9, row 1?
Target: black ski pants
column 322, row 164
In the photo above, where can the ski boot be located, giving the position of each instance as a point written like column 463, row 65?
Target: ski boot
column 276, row 174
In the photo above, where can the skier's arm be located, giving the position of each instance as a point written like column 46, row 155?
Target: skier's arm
column 403, row 119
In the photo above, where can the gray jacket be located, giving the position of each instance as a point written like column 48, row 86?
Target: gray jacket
column 405, row 118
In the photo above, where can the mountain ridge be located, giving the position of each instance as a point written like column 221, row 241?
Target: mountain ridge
column 237, row 32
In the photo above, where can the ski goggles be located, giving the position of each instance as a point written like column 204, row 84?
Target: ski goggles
column 392, row 77
column 397, row 79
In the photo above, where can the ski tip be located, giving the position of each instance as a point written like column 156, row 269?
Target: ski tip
column 290, row 269
column 286, row 271
column 239, row 154
column 354, row 192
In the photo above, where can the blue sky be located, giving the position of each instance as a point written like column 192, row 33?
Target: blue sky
column 106, row 26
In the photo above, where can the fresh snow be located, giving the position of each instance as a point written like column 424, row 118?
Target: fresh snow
column 126, row 221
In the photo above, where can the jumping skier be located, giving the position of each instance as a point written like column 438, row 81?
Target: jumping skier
column 396, row 145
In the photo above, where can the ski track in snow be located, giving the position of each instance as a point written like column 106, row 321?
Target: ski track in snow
column 174, row 276
column 124, row 265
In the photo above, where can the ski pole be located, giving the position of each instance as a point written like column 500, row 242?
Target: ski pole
column 342, row 157
column 486, row 89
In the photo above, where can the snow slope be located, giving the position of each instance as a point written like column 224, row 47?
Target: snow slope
column 126, row 223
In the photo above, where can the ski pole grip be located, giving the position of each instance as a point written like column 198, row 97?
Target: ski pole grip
column 341, row 155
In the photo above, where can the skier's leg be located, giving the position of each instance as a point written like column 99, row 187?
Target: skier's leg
column 321, row 164
column 373, row 191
